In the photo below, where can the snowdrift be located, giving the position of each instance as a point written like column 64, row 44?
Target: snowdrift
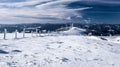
column 74, row 31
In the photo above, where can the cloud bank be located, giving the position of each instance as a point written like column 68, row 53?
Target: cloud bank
column 55, row 11
column 36, row 11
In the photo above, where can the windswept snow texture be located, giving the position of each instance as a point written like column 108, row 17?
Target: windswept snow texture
column 59, row 51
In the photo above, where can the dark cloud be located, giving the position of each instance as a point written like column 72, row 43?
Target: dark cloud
column 39, row 17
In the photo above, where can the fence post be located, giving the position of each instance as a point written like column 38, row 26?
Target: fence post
column 39, row 33
column 32, row 33
column 16, row 34
column 24, row 33
column 36, row 32
column 5, row 31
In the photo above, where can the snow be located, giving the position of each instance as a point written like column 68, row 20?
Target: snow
column 3, row 64
column 58, row 51
column 116, row 40
column 74, row 31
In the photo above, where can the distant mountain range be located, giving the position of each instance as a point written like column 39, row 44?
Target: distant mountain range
column 94, row 29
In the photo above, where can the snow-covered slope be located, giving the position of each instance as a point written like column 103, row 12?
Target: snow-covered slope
column 59, row 51
column 74, row 31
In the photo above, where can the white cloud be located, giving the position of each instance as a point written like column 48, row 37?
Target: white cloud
column 41, row 11
column 23, row 4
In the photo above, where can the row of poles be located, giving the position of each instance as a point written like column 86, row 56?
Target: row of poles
column 16, row 33
column 24, row 31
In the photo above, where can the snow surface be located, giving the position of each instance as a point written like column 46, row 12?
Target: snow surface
column 58, row 51
column 74, row 31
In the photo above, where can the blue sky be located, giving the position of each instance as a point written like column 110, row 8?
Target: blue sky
column 59, row 11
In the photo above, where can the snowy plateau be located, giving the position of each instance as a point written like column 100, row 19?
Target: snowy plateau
column 55, row 50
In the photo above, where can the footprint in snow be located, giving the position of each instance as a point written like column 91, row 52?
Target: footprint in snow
column 3, row 52
column 103, row 38
column 65, row 59
column 16, row 51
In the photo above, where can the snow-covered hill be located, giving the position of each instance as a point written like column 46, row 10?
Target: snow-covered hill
column 59, row 51
column 74, row 31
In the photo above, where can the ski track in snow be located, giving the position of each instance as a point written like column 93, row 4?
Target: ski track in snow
column 59, row 51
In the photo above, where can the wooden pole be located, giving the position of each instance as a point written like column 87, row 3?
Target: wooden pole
column 39, row 33
column 16, row 34
column 5, row 31
column 36, row 32
column 24, row 33
column 32, row 33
